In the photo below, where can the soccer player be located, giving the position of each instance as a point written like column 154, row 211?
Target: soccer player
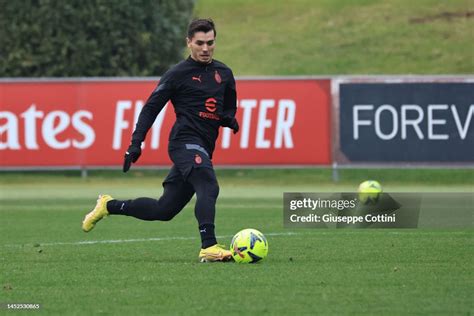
column 203, row 94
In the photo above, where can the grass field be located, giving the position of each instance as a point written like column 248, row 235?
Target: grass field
column 320, row 37
column 127, row 266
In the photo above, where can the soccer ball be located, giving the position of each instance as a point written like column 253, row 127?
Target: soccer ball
column 249, row 246
column 369, row 192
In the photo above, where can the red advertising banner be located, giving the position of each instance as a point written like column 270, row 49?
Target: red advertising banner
column 88, row 123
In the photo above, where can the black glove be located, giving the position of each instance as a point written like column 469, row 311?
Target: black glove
column 231, row 123
column 133, row 153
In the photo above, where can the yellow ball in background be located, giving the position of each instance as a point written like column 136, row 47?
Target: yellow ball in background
column 369, row 191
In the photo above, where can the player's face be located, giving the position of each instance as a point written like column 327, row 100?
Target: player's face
column 202, row 46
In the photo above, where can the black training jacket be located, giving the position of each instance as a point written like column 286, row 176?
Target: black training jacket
column 203, row 95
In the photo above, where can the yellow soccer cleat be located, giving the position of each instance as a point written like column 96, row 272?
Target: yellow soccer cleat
column 98, row 213
column 215, row 253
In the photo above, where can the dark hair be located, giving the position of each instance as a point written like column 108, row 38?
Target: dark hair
column 201, row 25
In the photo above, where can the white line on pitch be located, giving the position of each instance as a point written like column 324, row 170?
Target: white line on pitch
column 118, row 241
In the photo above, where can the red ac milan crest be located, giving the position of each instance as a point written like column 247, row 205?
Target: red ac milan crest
column 217, row 77
column 198, row 159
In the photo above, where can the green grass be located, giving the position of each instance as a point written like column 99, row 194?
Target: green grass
column 307, row 37
column 312, row 271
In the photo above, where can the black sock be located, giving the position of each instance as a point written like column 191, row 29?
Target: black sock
column 116, row 206
column 208, row 237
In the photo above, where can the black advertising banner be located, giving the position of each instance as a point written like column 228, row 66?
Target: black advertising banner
column 407, row 122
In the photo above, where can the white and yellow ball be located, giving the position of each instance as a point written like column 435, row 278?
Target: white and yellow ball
column 249, row 246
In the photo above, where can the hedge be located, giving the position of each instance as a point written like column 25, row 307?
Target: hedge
column 63, row 38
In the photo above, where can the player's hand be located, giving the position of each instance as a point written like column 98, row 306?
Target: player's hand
column 231, row 123
column 133, row 153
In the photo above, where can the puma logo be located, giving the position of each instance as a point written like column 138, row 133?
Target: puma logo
column 197, row 78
